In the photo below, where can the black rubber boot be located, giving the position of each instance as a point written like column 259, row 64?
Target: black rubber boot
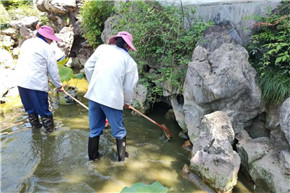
column 121, row 148
column 48, row 123
column 93, row 147
column 34, row 121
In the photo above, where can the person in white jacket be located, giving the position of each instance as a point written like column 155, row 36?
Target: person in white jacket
column 112, row 75
column 36, row 62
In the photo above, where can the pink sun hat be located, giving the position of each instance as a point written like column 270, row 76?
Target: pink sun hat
column 127, row 37
column 48, row 33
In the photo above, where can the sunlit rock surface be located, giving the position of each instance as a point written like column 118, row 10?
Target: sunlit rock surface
column 213, row 156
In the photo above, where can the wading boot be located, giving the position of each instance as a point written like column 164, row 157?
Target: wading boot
column 93, row 147
column 34, row 121
column 47, row 123
column 121, row 149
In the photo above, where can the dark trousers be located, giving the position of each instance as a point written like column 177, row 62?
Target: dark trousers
column 97, row 119
column 34, row 101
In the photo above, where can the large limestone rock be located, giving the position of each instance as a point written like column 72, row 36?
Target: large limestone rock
column 251, row 150
column 7, row 78
column 267, row 171
column 272, row 116
column 267, row 164
column 140, row 98
column 213, row 156
column 58, row 11
column 177, row 106
column 29, row 22
column 57, row 21
column 56, row 6
column 222, row 80
column 217, row 35
column 285, row 119
column 67, row 37
column 108, row 31
column 24, row 28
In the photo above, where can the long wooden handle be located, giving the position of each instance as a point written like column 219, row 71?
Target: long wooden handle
column 75, row 99
column 130, row 107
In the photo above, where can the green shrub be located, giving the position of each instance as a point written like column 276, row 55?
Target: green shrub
column 23, row 10
column 161, row 41
column 270, row 54
column 93, row 15
column 17, row 9
column 15, row 3
column 4, row 19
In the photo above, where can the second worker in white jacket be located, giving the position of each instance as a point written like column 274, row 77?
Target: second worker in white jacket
column 36, row 64
column 112, row 74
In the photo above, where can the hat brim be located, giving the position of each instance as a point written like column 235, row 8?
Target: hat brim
column 51, row 37
column 112, row 40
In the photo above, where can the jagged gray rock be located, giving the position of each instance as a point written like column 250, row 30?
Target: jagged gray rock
column 213, row 156
column 140, row 97
column 266, row 163
column 221, row 80
column 285, row 119
column 56, row 7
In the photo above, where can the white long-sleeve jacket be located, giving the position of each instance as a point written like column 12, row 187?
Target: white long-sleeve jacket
column 36, row 62
column 112, row 74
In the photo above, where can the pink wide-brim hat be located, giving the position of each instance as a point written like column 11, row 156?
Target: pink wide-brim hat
column 48, row 33
column 127, row 37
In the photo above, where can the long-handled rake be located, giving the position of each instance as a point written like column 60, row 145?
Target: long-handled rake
column 75, row 99
column 167, row 132
column 107, row 122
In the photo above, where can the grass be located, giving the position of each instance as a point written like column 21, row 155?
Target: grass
column 275, row 87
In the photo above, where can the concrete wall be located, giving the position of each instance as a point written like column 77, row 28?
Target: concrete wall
column 231, row 11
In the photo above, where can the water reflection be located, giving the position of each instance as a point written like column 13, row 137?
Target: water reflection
column 34, row 162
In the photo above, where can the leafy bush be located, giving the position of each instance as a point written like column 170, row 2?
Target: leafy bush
column 16, row 3
column 164, row 46
column 270, row 53
column 93, row 15
column 23, row 10
column 4, row 19
column 17, row 9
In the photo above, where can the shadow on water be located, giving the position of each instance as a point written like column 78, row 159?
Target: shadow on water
column 34, row 162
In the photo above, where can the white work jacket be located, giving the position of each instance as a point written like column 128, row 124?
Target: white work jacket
column 36, row 62
column 112, row 74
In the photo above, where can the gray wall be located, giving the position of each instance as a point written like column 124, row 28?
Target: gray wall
column 235, row 12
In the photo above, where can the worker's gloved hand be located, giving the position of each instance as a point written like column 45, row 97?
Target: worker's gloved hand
column 126, row 106
column 60, row 89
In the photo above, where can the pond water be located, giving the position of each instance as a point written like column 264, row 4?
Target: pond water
column 34, row 162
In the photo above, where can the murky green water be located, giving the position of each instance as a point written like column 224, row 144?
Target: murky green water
column 34, row 162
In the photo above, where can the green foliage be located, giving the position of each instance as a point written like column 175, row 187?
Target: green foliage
column 23, row 10
column 66, row 74
column 15, row 3
column 44, row 19
column 276, row 86
column 79, row 76
column 161, row 41
column 270, row 53
column 93, row 15
column 17, row 9
column 139, row 187
column 4, row 19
